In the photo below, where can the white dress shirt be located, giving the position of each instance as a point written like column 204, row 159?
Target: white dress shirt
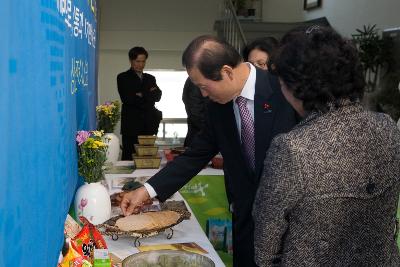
column 248, row 92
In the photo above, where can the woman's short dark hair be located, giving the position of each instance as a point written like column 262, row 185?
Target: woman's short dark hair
column 319, row 66
column 209, row 54
column 265, row 44
column 137, row 50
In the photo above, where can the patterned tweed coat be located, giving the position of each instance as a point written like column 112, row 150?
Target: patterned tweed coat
column 328, row 195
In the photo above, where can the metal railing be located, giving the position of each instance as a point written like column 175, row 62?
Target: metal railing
column 232, row 30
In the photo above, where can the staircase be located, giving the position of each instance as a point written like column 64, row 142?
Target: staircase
column 238, row 32
column 255, row 29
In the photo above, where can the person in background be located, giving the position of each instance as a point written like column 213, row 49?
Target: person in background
column 138, row 92
column 246, row 110
column 259, row 51
column 195, row 106
column 330, row 187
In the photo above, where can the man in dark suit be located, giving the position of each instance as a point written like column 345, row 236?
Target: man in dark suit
column 138, row 92
column 218, row 70
column 196, row 109
column 195, row 106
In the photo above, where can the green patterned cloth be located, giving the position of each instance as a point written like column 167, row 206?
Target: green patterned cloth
column 206, row 197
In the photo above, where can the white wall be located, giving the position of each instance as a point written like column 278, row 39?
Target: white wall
column 344, row 15
column 282, row 10
column 348, row 15
column 163, row 27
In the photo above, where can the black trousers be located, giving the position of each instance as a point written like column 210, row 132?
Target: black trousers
column 128, row 146
column 243, row 241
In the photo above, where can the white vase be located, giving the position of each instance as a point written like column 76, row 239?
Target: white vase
column 113, row 147
column 93, row 202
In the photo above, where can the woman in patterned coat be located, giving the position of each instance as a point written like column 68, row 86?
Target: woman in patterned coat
column 329, row 191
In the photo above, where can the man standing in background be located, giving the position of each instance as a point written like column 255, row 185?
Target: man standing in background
column 138, row 92
column 195, row 106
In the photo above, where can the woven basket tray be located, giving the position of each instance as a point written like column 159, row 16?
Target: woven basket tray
column 108, row 228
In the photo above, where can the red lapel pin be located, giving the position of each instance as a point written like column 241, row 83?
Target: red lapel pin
column 267, row 108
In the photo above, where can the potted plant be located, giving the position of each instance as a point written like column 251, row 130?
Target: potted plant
column 240, row 7
column 92, row 199
column 375, row 53
column 108, row 116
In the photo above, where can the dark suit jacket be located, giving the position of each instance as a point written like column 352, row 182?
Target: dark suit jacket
column 273, row 115
column 138, row 115
column 195, row 106
column 329, row 192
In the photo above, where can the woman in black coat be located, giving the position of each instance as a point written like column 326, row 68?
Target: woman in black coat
column 330, row 187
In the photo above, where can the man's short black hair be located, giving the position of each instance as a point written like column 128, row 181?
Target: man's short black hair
column 265, row 44
column 137, row 50
column 320, row 67
column 209, row 54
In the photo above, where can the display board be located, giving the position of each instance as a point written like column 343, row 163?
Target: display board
column 48, row 57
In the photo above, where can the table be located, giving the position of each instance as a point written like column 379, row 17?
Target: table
column 186, row 231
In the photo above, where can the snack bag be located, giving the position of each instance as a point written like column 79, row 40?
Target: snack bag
column 215, row 230
column 71, row 227
column 88, row 239
column 74, row 259
column 99, row 241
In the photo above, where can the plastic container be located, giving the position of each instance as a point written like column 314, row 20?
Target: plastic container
column 170, row 154
column 217, row 162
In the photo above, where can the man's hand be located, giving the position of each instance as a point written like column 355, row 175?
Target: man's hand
column 134, row 200
column 117, row 198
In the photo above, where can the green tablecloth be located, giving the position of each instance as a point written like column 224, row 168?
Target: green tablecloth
column 207, row 198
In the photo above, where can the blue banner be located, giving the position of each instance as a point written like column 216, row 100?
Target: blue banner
column 48, row 91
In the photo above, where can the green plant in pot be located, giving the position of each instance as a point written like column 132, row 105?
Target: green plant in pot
column 240, row 7
column 108, row 116
column 375, row 54
column 92, row 199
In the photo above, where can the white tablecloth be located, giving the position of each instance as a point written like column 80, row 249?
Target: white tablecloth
column 185, row 232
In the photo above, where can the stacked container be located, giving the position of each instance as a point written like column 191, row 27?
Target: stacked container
column 146, row 156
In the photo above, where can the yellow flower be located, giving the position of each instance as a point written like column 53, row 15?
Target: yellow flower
column 98, row 133
column 99, row 143
column 89, row 141
column 93, row 145
column 108, row 109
